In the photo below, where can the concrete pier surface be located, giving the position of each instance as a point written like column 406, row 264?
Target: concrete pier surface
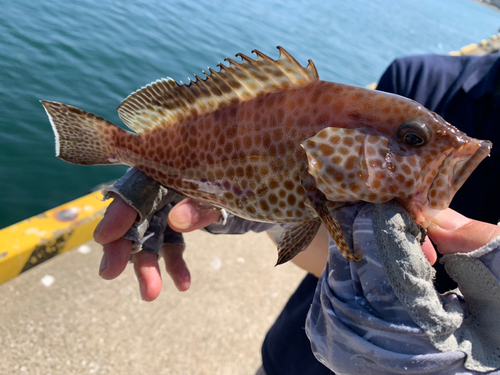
column 62, row 318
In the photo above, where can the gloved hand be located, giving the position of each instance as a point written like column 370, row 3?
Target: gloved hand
column 123, row 228
column 382, row 315
column 135, row 227
column 153, row 202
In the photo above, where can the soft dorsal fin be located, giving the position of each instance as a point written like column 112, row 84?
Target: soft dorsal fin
column 166, row 102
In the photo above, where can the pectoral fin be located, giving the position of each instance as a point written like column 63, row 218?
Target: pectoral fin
column 296, row 239
column 318, row 203
column 336, row 159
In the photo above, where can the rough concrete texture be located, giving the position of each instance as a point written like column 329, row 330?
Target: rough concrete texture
column 81, row 324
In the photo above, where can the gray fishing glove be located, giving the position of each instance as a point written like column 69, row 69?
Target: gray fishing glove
column 153, row 202
column 382, row 315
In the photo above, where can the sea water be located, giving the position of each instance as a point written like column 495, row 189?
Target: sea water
column 93, row 53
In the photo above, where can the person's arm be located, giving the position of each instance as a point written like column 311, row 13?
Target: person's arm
column 382, row 315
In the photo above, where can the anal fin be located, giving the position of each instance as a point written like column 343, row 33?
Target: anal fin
column 296, row 239
column 318, row 203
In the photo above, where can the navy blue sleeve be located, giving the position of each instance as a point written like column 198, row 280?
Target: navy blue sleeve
column 427, row 79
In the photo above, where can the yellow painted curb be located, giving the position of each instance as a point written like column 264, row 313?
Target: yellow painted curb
column 468, row 49
column 37, row 239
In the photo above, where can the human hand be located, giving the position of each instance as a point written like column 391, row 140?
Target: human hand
column 186, row 216
column 388, row 301
column 455, row 233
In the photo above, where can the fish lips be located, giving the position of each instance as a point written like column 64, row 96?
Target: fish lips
column 454, row 171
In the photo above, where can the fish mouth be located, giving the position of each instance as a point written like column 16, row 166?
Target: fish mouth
column 454, row 171
column 464, row 168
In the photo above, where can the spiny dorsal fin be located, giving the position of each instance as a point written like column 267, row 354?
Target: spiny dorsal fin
column 166, row 102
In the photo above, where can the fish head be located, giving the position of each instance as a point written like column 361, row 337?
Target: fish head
column 414, row 157
column 446, row 156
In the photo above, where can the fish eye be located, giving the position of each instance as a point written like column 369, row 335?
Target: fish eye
column 414, row 133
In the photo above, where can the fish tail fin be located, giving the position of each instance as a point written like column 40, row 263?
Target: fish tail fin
column 82, row 137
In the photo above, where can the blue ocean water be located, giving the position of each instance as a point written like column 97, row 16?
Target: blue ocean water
column 93, row 53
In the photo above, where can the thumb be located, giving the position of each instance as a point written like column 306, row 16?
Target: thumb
column 455, row 233
column 187, row 216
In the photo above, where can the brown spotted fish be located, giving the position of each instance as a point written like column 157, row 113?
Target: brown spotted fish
column 269, row 141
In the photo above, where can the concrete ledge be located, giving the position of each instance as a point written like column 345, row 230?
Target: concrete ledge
column 61, row 318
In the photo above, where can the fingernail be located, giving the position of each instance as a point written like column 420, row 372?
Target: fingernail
column 104, row 263
column 183, row 284
column 450, row 220
column 143, row 288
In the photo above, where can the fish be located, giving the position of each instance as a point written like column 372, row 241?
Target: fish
column 269, row 141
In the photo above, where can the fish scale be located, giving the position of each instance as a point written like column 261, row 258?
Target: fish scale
column 269, row 141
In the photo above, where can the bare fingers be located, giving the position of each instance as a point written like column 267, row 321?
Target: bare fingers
column 176, row 266
column 429, row 251
column 115, row 258
column 148, row 274
column 118, row 218
column 186, row 216
column 455, row 233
